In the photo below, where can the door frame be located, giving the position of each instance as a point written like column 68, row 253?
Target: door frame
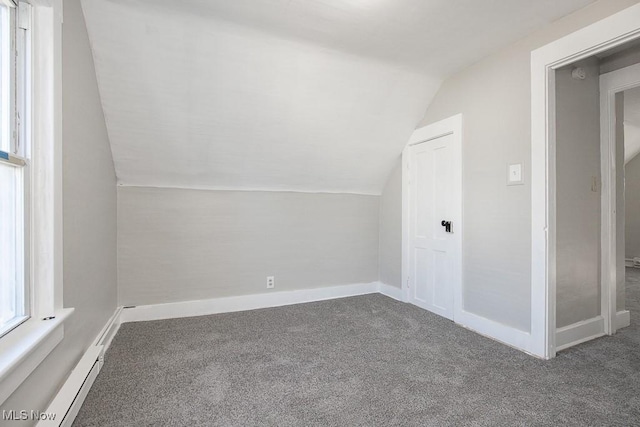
column 611, row 84
column 449, row 126
column 603, row 35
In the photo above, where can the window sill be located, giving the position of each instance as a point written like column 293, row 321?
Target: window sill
column 13, row 323
column 24, row 348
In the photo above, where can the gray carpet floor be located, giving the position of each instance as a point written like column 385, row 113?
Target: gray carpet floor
column 357, row 361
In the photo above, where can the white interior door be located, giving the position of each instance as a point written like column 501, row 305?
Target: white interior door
column 432, row 226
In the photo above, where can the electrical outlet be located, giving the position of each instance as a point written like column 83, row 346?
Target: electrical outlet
column 271, row 282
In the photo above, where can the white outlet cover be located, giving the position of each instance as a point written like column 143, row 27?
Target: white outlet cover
column 515, row 174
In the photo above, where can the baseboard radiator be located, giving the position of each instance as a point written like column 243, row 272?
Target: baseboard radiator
column 65, row 406
column 69, row 399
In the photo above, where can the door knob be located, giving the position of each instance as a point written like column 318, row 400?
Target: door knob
column 446, row 225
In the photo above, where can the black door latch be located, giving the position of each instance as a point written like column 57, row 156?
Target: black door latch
column 447, row 226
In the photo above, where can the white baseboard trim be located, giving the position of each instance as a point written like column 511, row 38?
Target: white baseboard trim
column 623, row 319
column 390, row 291
column 579, row 332
column 65, row 405
column 242, row 303
column 494, row 330
column 505, row 334
column 69, row 399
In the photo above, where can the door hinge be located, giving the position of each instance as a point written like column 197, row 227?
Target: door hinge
column 408, row 282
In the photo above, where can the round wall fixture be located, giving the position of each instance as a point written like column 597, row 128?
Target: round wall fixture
column 579, row 73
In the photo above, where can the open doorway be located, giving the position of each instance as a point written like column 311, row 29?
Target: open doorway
column 595, row 107
column 631, row 102
column 610, row 33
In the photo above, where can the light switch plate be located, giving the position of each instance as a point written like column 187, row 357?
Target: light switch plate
column 515, row 174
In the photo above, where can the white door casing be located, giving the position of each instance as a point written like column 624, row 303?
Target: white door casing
column 610, row 85
column 432, row 193
column 603, row 35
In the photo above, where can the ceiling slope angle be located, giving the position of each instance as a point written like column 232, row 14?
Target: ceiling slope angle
column 283, row 95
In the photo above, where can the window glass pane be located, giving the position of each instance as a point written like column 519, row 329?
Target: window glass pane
column 5, row 76
column 11, row 245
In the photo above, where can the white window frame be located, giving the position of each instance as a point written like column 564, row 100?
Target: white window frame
column 26, row 346
column 17, row 154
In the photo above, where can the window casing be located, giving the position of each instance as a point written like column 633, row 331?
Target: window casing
column 15, row 135
column 35, row 153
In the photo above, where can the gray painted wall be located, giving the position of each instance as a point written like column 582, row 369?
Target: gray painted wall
column 632, row 197
column 494, row 96
column 390, row 257
column 622, row 59
column 578, row 204
column 89, row 218
column 180, row 245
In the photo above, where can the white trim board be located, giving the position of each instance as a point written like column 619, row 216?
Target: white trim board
column 75, row 389
column 67, row 402
column 587, row 330
column 579, row 332
column 23, row 349
column 494, row 330
column 623, row 319
column 46, row 160
column 243, row 303
column 502, row 333
column 610, row 85
column 390, row 291
column 608, row 207
column 252, row 302
column 598, row 37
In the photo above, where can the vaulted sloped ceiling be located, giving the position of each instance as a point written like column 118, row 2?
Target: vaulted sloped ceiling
column 300, row 95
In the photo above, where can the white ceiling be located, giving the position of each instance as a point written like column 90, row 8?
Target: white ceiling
column 631, row 124
column 301, row 95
